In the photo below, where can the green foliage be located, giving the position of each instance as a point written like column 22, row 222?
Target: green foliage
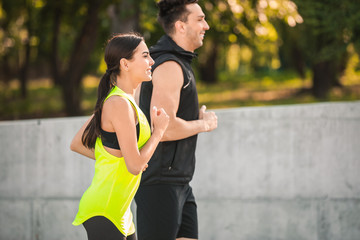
column 329, row 27
column 232, row 22
column 149, row 26
column 246, row 37
column 250, row 25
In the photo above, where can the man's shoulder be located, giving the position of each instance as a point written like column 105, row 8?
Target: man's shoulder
column 167, row 59
column 166, row 56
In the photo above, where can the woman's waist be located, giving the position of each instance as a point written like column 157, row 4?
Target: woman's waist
column 114, row 184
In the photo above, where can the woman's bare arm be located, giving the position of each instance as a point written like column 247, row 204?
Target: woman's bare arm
column 77, row 145
column 124, row 124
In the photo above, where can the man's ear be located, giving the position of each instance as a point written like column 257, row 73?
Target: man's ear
column 124, row 64
column 180, row 26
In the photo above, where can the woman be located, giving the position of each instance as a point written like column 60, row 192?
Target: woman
column 119, row 137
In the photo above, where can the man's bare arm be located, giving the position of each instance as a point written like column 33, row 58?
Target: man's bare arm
column 167, row 84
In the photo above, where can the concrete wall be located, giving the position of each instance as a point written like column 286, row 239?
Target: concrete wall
column 266, row 173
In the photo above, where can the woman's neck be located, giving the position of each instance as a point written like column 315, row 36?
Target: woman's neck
column 126, row 85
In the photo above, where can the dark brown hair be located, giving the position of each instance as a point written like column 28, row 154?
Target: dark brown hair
column 171, row 11
column 119, row 46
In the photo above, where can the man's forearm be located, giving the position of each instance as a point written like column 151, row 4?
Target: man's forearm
column 181, row 129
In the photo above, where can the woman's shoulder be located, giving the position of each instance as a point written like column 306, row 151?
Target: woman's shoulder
column 118, row 102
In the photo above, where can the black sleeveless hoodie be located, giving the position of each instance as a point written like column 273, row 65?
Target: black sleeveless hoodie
column 173, row 161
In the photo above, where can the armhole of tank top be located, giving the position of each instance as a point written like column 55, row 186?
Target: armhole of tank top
column 135, row 108
column 132, row 105
column 138, row 121
column 183, row 69
column 137, row 115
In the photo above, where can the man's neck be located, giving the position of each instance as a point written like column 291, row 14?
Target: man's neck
column 181, row 42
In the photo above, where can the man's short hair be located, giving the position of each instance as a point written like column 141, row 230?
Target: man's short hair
column 171, row 11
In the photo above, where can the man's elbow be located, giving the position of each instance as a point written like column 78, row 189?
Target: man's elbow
column 166, row 137
column 171, row 133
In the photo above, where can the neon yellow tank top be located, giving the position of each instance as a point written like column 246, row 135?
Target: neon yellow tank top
column 113, row 186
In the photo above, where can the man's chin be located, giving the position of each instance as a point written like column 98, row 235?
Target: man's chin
column 200, row 44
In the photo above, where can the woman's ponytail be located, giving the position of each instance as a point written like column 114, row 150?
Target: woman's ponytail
column 92, row 130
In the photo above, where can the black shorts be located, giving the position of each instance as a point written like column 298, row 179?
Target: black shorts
column 166, row 212
column 101, row 228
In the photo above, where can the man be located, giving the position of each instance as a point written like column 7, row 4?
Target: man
column 166, row 208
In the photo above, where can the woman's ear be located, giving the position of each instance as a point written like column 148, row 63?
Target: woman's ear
column 124, row 64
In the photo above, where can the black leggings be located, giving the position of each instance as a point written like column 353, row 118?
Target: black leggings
column 101, row 228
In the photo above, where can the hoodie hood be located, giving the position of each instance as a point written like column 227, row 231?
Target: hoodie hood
column 167, row 45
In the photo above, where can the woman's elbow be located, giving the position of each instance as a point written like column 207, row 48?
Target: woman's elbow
column 135, row 170
column 74, row 146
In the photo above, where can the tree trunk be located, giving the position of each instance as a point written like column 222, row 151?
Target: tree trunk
column 54, row 59
column 341, row 67
column 290, row 53
column 85, row 43
column 327, row 74
column 125, row 16
column 23, row 74
column 323, row 77
column 6, row 68
column 298, row 60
